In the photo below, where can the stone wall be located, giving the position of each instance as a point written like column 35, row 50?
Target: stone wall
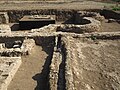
column 8, row 68
column 68, row 64
column 57, row 67
column 61, row 15
column 95, row 15
column 93, row 26
column 17, row 48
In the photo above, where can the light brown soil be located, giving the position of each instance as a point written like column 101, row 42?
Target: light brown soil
column 110, row 27
column 66, row 4
column 96, row 65
column 31, row 75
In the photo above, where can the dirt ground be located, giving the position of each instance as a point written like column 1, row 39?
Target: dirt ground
column 32, row 74
column 110, row 27
column 66, row 4
column 95, row 65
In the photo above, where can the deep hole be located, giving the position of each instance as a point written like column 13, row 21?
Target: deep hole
column 10, row 42
column 82, row 22
column 28, row 25
column 61, row 75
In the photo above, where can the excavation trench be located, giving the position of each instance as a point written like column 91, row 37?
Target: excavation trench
column 45, row 67
column 65, row 17
column 61, row 75
column 61, row 15
column 57, row 67
column 34, row 71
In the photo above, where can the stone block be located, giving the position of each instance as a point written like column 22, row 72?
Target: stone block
column 8, row 68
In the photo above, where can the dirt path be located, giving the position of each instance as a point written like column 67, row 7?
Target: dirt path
column 31, row 75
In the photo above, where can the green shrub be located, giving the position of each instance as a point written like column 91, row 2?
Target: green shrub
column 116, row 8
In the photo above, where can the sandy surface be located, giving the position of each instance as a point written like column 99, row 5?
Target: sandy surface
column 31, row 74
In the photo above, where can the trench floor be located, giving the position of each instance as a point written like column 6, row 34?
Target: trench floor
column 31, row 75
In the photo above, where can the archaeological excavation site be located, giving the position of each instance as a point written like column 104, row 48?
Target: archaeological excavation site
column 62, row 48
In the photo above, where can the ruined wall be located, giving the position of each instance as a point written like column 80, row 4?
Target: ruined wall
column 93, row 26
column 57, row 67
column 8, row 68
column 68, row 70
column 81, row 14
column 61, row 15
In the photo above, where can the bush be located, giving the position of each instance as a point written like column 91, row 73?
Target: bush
column 116, row 8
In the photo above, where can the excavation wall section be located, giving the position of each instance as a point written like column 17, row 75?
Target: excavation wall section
column 61, row 15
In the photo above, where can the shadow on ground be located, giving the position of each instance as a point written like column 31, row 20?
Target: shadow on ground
column 42, row 78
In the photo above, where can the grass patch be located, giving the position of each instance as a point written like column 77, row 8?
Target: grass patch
column 116, row 8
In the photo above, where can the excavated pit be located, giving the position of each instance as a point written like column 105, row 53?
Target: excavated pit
column 57, row 67
column 35, row 67
column 67, row 55
column 69, row 17
column 16, row 15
